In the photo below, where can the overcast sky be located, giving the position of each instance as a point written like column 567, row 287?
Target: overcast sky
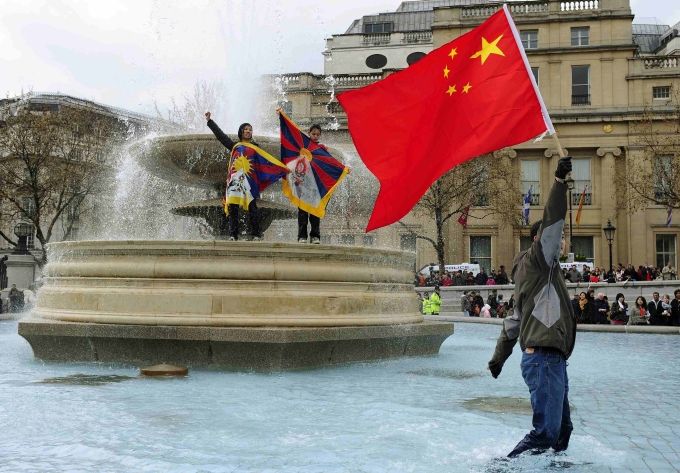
column 132, row 53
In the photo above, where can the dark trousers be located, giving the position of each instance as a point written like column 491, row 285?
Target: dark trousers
column 546, row 375
column 253, row 219
column 303, row 219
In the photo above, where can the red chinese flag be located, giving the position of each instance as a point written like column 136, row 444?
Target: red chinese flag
column 467, row 98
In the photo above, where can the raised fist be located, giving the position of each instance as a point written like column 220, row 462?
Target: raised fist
column 207, row 116
column 563, row 167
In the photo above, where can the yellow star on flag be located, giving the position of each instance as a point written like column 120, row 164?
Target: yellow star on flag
column 488, row 49
column 446, row 71
column 453, row 53
column 451, row 90
column 466, row 88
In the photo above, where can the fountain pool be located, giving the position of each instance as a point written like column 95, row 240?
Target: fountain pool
column 432, row 414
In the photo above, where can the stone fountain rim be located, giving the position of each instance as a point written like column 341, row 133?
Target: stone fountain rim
column 195, row 247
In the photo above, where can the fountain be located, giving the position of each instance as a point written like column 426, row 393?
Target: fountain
column 237, row 305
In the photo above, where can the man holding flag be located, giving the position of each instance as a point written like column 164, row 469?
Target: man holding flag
column 474, row 95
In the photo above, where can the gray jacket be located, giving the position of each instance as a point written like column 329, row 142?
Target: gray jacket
column 543, row 316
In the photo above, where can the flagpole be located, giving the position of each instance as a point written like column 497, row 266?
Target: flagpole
column 560, row 150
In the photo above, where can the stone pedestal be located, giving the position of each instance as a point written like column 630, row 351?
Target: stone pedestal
column 240, row 305
column 21, row 270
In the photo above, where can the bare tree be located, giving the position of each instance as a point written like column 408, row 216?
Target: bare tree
column 190, row 112
column 653, row 176
column 489, row 184
column 50, row 163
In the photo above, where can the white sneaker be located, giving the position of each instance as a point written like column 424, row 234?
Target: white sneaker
column 316, row 241
column 232, row 238
column 256, row 238
column 302, row 240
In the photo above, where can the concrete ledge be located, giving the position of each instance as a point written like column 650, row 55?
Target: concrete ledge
column 658, row 329
column 237, row 348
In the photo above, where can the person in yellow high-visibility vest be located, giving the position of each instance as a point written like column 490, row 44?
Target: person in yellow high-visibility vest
column 427, row 308
column 435, row 301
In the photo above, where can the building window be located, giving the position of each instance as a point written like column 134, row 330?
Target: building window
column 480, row 251
column 529, row 39
column 534, row 71
column 665, row 250
column 414, row 58
column 376, row 61
column 662, row 92
column 580, row 85
column 368, row 240
column 30, row 239
column 531, row 170
column 28, row 205
column 347, row 239
column 384, row 27
column 583, row 248
column 662, row 170
column 580, row 36
column 580, row 173
column 407, row 242
column 524, row 243
column 481, row 194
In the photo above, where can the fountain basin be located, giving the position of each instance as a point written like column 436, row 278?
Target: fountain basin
column 245, row 305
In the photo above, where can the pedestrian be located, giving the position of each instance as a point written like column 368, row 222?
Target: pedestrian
column 618, row 313
column 235, row 181
column 544, row 324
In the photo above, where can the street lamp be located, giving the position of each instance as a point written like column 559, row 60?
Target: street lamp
column 22, row 231
column 609, row 235
column 570, row 185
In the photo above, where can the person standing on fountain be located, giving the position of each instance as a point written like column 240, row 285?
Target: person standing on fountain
column 304, row 217
column 245, row 134
column 544, row 323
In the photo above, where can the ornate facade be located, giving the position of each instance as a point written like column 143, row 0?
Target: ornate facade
column 600, row 75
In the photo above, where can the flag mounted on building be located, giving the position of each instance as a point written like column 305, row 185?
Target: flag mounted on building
column 252, row 171
column 526, row 205
column 464, row 216
column 669, row 216
column 581, row 201
column 314, row 173
column 467, row 98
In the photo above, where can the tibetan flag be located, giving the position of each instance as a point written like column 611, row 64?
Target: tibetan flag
column 527, row 205
column 581, row 201
column 314, row 173
column 252, row 171
column 464, row 217
column 467, row 98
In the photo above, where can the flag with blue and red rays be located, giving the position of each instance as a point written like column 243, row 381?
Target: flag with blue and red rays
column 252, row 171
column 314, row 172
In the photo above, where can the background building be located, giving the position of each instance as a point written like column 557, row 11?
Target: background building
column 603, row 78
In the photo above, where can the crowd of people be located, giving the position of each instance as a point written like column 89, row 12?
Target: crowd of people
column 463, row 278
column 621, row 273
column 588, row 307
column 597, row 309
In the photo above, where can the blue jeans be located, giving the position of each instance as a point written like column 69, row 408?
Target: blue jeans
column 546, row 375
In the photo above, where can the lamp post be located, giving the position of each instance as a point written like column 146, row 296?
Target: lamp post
column 22, row 231
column 570, row 185
column 609, row 235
